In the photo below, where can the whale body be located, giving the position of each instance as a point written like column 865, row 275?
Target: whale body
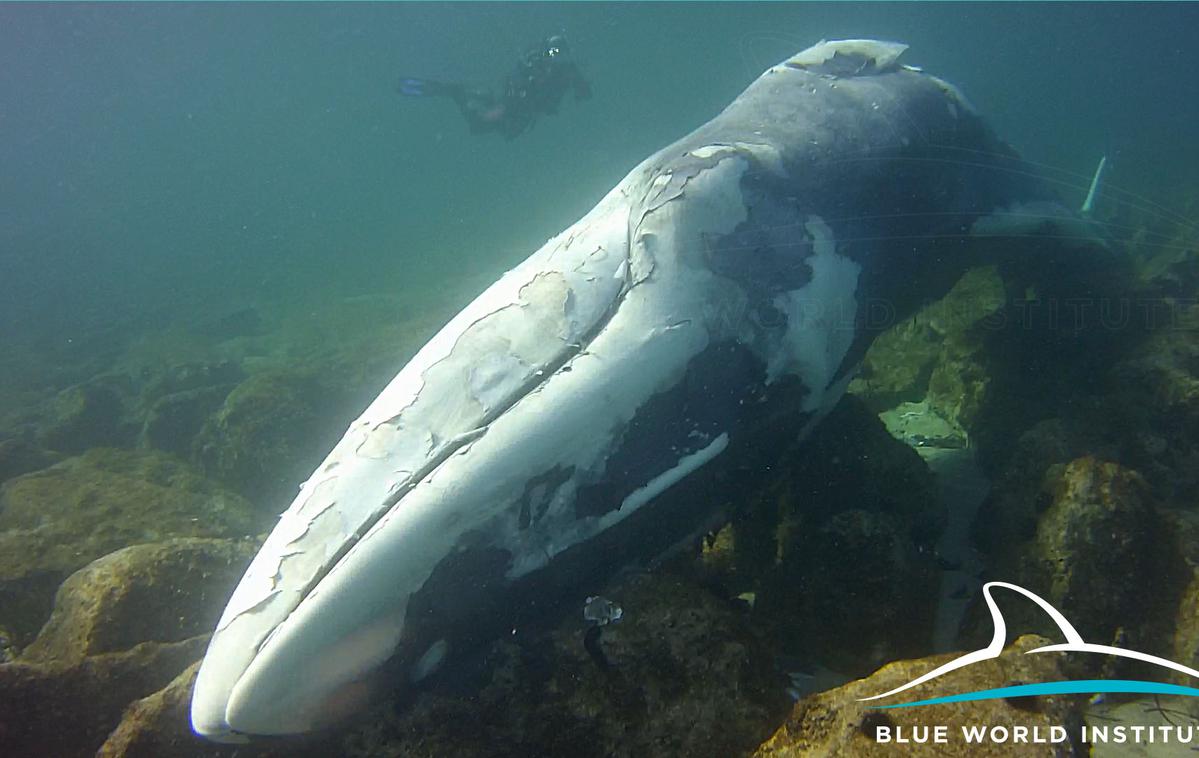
column 712, row 305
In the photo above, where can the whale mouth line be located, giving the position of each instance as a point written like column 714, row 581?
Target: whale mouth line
column 455, row 444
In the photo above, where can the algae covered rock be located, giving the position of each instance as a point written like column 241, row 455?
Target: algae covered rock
column 20, row 457
column 1099, row 531
column 837, row 723
column 1185, row 647
column 940, row 355
column 853, row 592
column 1155, row 401
column 268, row 435
column 162, row 592
column 87, row 415
column 123, row 628
column 57, row 520
column 159, row 725
column 850, row 520
column 58, row 709
column 177, row 400
column 1181, row 626
column 1099, row 550
column 174, row 420
column 8, row 650
column 1010, row 514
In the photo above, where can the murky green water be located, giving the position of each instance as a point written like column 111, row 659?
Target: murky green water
column 162, row 159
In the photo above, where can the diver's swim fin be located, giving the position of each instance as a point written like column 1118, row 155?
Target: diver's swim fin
column 412, row 87
column 415, row 87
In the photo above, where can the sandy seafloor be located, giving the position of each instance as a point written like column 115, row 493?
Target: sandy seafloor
column 222, row 232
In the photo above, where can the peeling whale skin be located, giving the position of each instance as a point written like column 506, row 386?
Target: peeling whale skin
column 711, row 304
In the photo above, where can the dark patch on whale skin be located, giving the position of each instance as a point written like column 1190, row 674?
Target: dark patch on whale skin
column 767, row 252
column 707, row 402
column 466, row 584
column 539, row 493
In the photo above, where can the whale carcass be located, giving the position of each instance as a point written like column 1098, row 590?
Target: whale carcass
column 714, row 303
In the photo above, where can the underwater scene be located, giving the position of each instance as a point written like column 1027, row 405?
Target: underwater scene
column 599, row 379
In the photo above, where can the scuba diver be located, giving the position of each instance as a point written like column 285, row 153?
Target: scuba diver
column 537, row 85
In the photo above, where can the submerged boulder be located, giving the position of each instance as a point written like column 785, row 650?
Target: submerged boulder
column 57, row 520
column 88, row 415
column 1098, row 547
column 67, row 709
column 268, row 435
column 162, row 592
column 123, row 627
column 1010, row 514
column 19, row 457
column 1099, row 531
column 853, row 592
column 158, row 725
column 1154, row 404
column 175, row 401
column 174, row 420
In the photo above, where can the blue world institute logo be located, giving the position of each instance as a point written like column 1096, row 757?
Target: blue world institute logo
column 1074, row 644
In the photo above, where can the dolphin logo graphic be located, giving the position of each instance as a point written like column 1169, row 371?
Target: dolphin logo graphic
column 1074, row 644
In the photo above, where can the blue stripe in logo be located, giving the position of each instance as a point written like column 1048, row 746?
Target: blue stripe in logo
column 1059, row 688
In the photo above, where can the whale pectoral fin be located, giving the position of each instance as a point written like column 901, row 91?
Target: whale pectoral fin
column 1063, row 256
column 1024, row 219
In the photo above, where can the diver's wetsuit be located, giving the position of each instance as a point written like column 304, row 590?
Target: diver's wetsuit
column 537, row 85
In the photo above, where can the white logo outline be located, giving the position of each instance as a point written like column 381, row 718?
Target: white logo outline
column 1074, row 643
